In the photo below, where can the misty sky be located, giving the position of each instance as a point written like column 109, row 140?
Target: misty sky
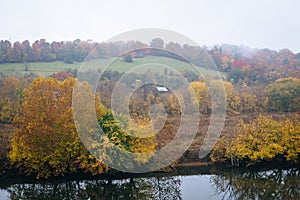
column 273, row 24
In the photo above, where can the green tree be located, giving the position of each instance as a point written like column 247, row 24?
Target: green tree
column 157, row 43
column 128, row 59
column 284, row 95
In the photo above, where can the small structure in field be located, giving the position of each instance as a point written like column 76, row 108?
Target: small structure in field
column 160, row 90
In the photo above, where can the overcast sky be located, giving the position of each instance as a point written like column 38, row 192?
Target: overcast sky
column 273, row 24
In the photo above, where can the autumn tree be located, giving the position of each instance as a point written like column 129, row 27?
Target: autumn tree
column 45, row 142
column 61, row 75
column 16, row 53
column 249, row 102
column 263, row 139
column 5, row 47
column 233, row 101
column 10, row 98
column 174, row 47
column 26, row 51
column 284, row 95
column 46, row 53
column 36, row 51
column 203, row 97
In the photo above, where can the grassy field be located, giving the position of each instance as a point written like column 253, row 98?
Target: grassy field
column 42, row 68
column 139, row 65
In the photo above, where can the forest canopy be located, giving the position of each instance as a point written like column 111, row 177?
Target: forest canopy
column 262, row 90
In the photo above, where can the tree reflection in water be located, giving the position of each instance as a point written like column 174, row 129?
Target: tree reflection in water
column 271, row 184
column 235, row 184
column 132, row 188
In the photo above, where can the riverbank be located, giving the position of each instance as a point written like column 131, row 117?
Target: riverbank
column 188, row 160
column 188, row 168
column 185, row 169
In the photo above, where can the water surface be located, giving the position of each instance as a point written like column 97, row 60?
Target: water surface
column 217, row 184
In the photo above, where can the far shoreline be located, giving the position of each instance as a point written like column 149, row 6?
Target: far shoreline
column 181, row 169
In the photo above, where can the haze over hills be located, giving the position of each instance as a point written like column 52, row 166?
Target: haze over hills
column 77, row 50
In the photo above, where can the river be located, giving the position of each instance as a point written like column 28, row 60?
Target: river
column 188, row 184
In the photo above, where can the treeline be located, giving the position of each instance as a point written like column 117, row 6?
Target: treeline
column 226, row 57
column 43, row 51
column 283, row 95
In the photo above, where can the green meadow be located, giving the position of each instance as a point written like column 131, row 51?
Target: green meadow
column 139, row 65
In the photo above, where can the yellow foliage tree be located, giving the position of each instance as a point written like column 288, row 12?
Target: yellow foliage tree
column 202, row 94
column 263, row 139
column 233, row 101
column 45, row 143
column 10, row 98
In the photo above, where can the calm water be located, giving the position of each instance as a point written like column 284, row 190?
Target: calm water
column 270, row 184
